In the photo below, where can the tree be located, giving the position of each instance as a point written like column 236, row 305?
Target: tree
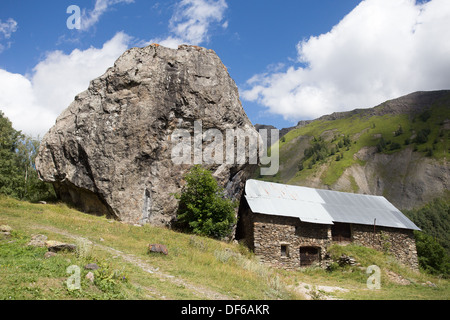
column 33, row 188
column 203, row 208
column 18, row 176
column 399, row 131
column 10, row 180
column 432, row 256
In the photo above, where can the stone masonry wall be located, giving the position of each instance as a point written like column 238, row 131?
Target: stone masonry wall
column 270, row 233
column 399, row 243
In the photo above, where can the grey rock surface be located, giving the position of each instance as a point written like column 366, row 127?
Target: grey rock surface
column 109, row 152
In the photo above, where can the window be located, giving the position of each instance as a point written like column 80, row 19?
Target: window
column 285, row 250
column 309, row 256
column 341, row 232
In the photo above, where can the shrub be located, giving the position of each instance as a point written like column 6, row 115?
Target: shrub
column 395, row 146
column 399, row 131
column 203, row 209
column 425, row 115
column 422, row 136
column 432, row 256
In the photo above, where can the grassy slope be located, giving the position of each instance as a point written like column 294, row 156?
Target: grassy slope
column 196, row 267
column 363, row 132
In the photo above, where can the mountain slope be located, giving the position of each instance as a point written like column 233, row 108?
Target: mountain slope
column 398, row 149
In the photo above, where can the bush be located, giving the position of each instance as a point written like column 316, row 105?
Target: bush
column 399, row 131
column 203, row 208
column 425, row 115
column 395, row 146
column 433, row 243
column 422, row 136
column 434, row 219
column 432, row 256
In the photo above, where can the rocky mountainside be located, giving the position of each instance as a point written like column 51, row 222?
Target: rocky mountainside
column 398, row 149
column 111, row 151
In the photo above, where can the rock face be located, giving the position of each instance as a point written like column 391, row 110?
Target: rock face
column 406, row 178
column 110, row 151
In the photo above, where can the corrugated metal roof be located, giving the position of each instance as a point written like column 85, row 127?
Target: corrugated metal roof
column 323, row 206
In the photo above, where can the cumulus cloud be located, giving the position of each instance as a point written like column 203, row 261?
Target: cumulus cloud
column 192, row 20
column 90, row 18
column 34, row 101
column 381, row 50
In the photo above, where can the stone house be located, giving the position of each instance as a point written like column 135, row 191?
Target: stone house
column 292, row 226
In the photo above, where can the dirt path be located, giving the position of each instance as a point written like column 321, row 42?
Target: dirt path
column 313, row 292
column 200, row 291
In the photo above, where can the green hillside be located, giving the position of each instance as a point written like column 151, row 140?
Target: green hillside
column 335, row 142
column 319, row 153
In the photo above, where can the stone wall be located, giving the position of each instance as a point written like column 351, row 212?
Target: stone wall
column 270, row 233
column 399, row 243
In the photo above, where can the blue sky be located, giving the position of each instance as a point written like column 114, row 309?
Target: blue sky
column 292, row 60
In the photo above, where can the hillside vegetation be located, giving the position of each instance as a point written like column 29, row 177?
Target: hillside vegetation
column 195, row 268
column 321, row 151
column 398, row 150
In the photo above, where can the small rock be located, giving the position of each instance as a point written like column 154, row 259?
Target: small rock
column 5, row 231
column 5, row 228
column 56, row 246
column 346, row 260
column 91, row 266
column 430, row 284
column 49, row 254
column 158, row 248
column 90, row 276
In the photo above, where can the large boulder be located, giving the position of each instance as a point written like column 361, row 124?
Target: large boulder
column 111, row 151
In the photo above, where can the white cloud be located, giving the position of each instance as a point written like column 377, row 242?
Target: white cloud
column 101, row 6
column 192, row 21
column 33, row 102
column 381, row 50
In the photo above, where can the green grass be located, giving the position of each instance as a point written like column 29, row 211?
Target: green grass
column 191, row 258
column 355, row 278
column 26, row 274
column 196, row 267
